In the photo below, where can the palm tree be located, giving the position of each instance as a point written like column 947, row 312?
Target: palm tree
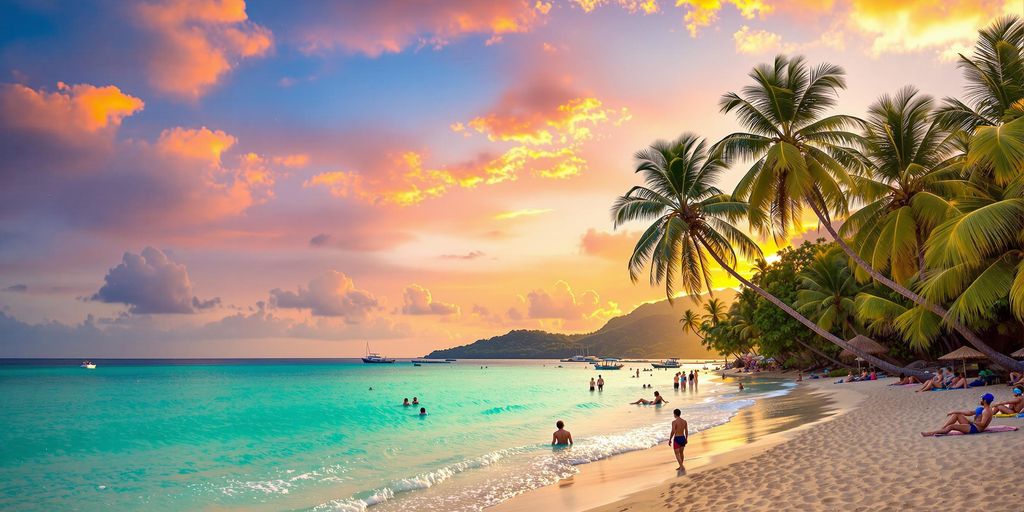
column 995, row 78
column 714, row 311
column 904, row 187
column 691, row 322
column 800, row 159
column 827, row 293
column 691, row 221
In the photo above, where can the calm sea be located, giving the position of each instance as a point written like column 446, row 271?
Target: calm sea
column 312, row 434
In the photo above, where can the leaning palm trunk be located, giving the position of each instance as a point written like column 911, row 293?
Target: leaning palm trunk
column 997, row 357
column 880, row 363
column 818, row 352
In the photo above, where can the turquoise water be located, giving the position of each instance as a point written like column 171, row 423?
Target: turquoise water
column 315, row 437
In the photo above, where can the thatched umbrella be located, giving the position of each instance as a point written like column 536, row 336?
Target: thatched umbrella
column 863, row 344
column 963, row 354
column 1018, row 354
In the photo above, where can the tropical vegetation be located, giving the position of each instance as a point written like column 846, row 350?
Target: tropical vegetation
column 923, row 202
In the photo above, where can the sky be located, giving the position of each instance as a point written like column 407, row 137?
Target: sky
column 187, row 178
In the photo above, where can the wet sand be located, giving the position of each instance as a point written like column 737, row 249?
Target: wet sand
column 768, row 422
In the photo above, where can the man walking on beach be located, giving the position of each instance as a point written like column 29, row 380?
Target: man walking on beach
column 561, row 437
column 677, row 437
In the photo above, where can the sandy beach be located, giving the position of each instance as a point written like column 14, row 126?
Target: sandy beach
column 823, row 447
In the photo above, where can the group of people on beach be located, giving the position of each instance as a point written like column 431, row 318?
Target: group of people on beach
column 678, row 434
column 415, row 401
column 684, row 378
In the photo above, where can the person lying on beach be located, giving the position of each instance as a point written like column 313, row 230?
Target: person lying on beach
column 850, row 377
column 906, row 379
column 658, row 400
column 958, row 382
column 1015, row 406
column 677, row 436
column 958, row 420
column 561, row 436
column 933, row 383
column 1016, row 379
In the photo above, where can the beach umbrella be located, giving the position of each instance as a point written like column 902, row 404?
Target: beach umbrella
column 1018, row 354
column 863, row 344
column 963, row 354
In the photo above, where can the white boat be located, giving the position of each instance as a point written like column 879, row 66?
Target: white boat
column 375, row 358
column 89, row 365
column 668, row 363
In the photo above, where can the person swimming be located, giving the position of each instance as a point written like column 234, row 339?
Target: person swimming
column 423, row 411
column 658, row 400
column 561, row 437
column 677, row 437
column 406, row 403
column 415, row 400
column 958, row 420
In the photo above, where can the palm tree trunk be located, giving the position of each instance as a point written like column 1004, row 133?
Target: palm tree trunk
column 997, row 357
column 808, row 346
column 885, row 365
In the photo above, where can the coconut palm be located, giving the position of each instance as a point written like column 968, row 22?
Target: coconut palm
column 799, row 159
column 714, row 311
column 995, row 78
column 691, row 322
column 827, row 292
column 691, row 222
column 905, row 185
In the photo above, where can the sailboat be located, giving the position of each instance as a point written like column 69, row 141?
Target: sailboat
column 89, row 365
column 375, row 358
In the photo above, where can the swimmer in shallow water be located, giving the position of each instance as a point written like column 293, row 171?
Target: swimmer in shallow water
column 415, row 400
column 561, row 437
column 423, row 411
column 406, row 403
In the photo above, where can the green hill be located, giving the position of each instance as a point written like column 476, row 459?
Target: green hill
column 651, row 331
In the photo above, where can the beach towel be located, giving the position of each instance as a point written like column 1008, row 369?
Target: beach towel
column 994, row 429
column 1001, row 415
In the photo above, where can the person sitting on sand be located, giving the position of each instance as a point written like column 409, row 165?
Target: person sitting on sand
column 658, row 400
column 677, row 436
column 933, row 383
column 850, row 377
column 406, row 403
column 906, row 379
column 1015, row 406
column 958, row 420
column 415, row 400
column 958, row 382
column 561, row 436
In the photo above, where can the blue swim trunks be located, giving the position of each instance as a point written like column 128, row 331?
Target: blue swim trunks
column 679, row 441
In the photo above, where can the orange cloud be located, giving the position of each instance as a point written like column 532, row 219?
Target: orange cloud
column 633, row 6
column 703, row 13
column 572, row 308
column 292, row 161
column 388, row 26
column 529, row 212
column 612, row 246
column 202, row 144
column 72, row 111
column 198, row 42
column 417, row 300
column 756, row 42
column 547, row 125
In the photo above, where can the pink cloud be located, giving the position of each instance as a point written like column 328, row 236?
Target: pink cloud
column 198, row 42
column 391, row 26
column 150, row 282
column 613, row 246
column 330, row 294
column 417, row 300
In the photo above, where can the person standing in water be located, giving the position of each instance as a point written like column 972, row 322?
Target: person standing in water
column 600, row 383
column 561, row 437
column 677, row 437
column 591, row 383
column 675, row 381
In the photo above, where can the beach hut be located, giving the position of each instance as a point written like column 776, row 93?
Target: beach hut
column 963, row 354
column 1018, row 354
column 864, row 344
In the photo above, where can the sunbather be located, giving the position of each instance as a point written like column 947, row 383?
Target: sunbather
column 906, row 379
column 959, row 420
column 1016, row 379
column 933, row 383
column 1015, row 406
column 958, row 382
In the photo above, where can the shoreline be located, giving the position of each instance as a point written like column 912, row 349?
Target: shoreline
column 752, row 430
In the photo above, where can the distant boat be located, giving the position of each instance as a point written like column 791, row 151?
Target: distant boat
column 451, row 360
column 417, row 364
column 609, row 363
column 430, row 361
column 89, row 365
column 375, row 358
column 668, row 363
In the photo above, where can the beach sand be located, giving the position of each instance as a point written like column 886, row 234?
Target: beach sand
column 859, row 448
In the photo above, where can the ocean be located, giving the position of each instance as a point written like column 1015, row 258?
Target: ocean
column 321, row 435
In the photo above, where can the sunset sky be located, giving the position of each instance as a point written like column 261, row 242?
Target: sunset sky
column 243, row 179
